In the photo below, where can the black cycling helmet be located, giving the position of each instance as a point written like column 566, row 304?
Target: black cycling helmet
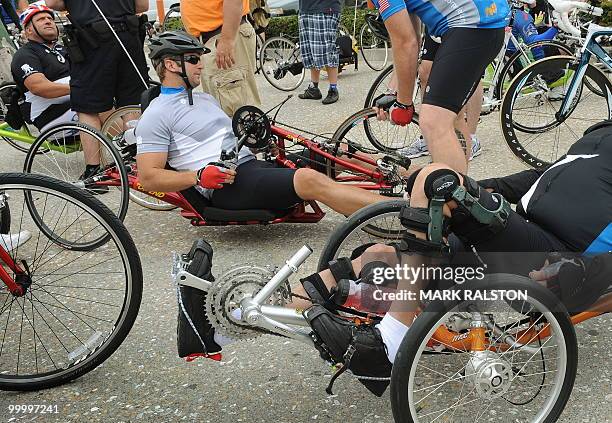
column 175, row 43
column 377, row 26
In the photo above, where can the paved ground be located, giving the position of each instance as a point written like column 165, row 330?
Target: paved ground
column 267, row 379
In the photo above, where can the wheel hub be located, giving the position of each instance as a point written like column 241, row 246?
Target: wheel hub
column 490, row 374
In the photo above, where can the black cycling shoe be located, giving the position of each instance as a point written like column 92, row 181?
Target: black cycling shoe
column 359, row 348
column 311, row 93
column 332, row 97
column 92, row 187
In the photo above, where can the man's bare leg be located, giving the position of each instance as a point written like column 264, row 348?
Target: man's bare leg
column 91, row 148
column 312, row 185
column 437, row 126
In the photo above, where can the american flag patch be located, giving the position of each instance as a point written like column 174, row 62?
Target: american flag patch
column 383, row 5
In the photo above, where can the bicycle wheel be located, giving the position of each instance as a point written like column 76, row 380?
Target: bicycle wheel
column 374, row 51
column 364, row 128
column 27, row 131
column 65, row 160
column 434, row 381
column 114, row 128
column 519, row 60
column 172, row 20
column 75, row 309
column 259, row 41
column 529, row 110
column 281, row 63
column 376, row 223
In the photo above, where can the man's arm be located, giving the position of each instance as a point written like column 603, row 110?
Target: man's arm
column 141, row 6
column 232, row 13
column 39, row 85
column 405, row 45
column 56, row 4
column 153, row 175
column 514, row 186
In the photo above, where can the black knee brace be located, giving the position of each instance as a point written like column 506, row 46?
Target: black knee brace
column 475, row 219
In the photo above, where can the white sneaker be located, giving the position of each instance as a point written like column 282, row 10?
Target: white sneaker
column 476, row 147
column 11, row 242
column 556, row 93
column 417, row 149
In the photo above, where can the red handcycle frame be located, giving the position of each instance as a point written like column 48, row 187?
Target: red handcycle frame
column 366, row 178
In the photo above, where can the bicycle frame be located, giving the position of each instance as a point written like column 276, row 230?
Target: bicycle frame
column 14, row 288
column 24, row 135
column 591, row 47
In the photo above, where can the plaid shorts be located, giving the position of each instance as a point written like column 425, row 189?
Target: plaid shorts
column 318, row 33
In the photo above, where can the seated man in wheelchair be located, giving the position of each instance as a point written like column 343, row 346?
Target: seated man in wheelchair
column 188, row 131
column 454, row 221
column 41, row 70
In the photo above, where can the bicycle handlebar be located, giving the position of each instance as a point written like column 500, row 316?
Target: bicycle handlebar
column 562, row 9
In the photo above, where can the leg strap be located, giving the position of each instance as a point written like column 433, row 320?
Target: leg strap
column 315, row 288
column 342, row 268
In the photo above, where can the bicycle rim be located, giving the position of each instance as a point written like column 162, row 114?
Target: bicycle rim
column 281, row 64
column 79, row 306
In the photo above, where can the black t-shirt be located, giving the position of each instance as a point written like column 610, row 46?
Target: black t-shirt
column 573, row 198
column 320, row 6
column 83, row 12
column 38, row 58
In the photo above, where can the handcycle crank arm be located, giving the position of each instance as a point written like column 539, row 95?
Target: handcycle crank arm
column 258, row 319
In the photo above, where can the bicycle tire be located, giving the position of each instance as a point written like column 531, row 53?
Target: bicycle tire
column 513, row 130
column 275, row 73
column 119, row 236
column 389, row 144
column 363, row 220
column 119, row 209
column 166, row 23
column 370, row 63
column 18, row 145
column 111, row 131
column 372, row 92
column 413, row 350
column 517, row 55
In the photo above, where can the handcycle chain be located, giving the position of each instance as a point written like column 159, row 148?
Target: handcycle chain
column 226, row 293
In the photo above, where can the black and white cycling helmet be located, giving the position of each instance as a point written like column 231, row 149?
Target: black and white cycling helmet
column 377, row 26
column 175, row 43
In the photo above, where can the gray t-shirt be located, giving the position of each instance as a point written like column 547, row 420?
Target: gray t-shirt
column 320, row 6
column 193, row 136
column 84, row 12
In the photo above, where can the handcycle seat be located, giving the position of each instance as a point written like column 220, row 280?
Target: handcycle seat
column 214, row 214
column 148, row 96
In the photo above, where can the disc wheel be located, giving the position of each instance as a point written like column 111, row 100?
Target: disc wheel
column 281, row 63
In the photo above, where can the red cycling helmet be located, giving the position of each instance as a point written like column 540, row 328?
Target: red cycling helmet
column 33, row 9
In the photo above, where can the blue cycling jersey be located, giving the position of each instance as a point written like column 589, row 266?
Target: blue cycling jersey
column 524, row 28
column 441, row 15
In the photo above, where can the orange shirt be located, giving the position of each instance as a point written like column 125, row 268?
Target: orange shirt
column 203, row 16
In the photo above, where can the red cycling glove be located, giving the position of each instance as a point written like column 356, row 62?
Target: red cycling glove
column 401, row 114
column 211, row 177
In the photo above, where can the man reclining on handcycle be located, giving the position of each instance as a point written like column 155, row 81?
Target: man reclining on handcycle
column 555, row 213
column 189, row 137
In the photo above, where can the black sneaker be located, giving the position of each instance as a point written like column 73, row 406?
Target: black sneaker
column 311, row 93
column 332, row 97
column 90, row 185
column 359, row 348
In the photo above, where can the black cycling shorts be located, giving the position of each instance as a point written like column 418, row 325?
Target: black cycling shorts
column 430, row 48
column 522, row 246
column 459, row 63
column 258, row 185
column 107, row 78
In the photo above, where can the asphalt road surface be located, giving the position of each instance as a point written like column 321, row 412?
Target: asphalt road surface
column 267, row 379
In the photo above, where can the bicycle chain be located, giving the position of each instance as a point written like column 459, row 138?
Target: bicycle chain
column 231, row 288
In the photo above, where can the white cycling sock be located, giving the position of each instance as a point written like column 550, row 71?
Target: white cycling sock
column 392, row 332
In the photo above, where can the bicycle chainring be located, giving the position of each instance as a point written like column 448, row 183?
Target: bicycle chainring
column 230, row 289
column 252, row 122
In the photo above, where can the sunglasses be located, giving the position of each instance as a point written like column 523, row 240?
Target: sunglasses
column 192, row 59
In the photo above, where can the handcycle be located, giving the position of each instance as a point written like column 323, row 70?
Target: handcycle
column 70, row 282
column 513, row 56
column 342, row 162
column 461, row 360
column 538, row 130
column 57, row 152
